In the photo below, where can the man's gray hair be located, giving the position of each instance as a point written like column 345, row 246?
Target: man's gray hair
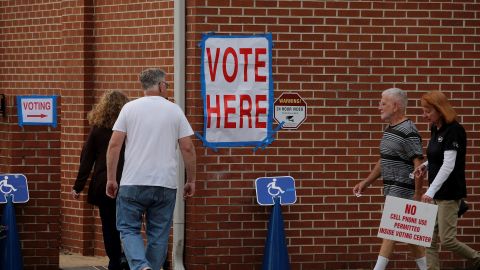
column 151, row 77
column 398, row 95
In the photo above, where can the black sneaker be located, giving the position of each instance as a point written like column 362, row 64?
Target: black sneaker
column 474, row 267
column 124, row 264
column 166, row 265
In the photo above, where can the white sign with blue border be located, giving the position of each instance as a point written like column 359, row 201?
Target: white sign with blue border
column 237, row 90
column 37, row 110
column 269, row 188
column 14, row 185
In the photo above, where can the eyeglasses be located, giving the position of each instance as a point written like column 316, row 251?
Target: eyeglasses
column 165, row 83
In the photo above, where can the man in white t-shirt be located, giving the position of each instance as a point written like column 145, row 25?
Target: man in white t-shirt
column 151, row 127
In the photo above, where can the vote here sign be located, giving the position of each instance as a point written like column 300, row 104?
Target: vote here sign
column 237, row 90
column 37, row 110
column 408, row 221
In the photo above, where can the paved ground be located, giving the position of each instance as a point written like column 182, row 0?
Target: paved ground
column 70, row 261
column 78, row 262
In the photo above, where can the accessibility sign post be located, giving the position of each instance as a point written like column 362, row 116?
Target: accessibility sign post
column 37, row 110
column 14, row 185
column 13, row 189
column 276, row 191
column 281, row 187
column 275, row 255
column 10, row 247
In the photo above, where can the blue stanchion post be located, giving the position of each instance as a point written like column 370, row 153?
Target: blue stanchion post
column 10, row 252
column 276, row 254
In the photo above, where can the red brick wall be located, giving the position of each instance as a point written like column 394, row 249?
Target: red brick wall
column 110, row 48
column 30, row 64
column 77, row 24
column 338, row 55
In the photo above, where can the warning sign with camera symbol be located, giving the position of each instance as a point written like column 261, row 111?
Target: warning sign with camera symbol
column 290, row 109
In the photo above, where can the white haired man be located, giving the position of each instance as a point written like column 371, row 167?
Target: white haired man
column 400, row 153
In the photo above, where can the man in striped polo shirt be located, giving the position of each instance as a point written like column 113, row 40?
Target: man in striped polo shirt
column 400, row 153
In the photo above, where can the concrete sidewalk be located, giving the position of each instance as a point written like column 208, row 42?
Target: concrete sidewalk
column 69, row 261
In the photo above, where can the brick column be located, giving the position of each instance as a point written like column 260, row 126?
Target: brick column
column 77, row 219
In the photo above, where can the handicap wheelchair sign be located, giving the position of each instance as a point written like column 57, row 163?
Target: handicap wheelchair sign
column 14, row 185
column 269, row 188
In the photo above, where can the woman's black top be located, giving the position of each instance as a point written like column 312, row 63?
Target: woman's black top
column 449, row 137
column 94, row 154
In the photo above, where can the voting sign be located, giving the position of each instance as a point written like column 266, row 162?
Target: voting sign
column 37, row 110
column 237, row 90
column 408, row 221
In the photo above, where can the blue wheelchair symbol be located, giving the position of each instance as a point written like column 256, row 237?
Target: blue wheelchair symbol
column 14, row 185
column 269, row 188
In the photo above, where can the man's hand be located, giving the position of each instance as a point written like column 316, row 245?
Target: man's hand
column 112, row 188
column 188, row 190
column 359, row 188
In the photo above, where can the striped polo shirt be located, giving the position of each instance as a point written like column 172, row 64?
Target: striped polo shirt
column 400, row 145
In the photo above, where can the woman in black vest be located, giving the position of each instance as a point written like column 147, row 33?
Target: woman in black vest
column 446, row 177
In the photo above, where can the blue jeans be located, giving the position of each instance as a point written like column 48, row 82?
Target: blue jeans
column 157, row 204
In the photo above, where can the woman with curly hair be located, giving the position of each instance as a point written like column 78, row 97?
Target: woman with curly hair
column 101, row 118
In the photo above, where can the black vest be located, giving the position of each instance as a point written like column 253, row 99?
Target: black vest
column 448, row 137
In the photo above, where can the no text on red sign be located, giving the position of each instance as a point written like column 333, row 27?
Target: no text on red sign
column 408, row 221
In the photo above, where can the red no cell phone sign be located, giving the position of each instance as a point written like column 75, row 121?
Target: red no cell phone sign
column 408, row 221
column 37, row 110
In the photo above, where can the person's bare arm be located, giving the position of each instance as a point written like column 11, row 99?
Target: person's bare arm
column 189, row 159
column 418, row 180
column 375, row 174
column 113, row 154
column 364, row 184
